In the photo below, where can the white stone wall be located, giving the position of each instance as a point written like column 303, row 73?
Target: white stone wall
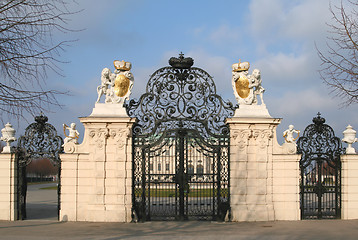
column 8, row 190
column 96, row 176
column 286, row 188
column 349, row 181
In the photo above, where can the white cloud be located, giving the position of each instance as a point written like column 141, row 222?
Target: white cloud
column 298, row 102
column 307, row 20
column 279, row 20
column 283, row 67
column 224, row 33
column 264, row 16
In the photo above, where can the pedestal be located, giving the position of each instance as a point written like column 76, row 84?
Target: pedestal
column 108, row 110
column 251, row 150
column 349, row 183
column 252, row 111
column 8, row 187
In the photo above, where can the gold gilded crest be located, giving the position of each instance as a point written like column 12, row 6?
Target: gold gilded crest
column 121, row 85
column 242, row 87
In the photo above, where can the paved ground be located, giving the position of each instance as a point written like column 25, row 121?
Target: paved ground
column 44, row 226
column 35, row 229
column 41, row 204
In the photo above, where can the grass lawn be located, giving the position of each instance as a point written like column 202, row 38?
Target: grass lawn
column 207, row 192
column 49, row 188
column 36, row 183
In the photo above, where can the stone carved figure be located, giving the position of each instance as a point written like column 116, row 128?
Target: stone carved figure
column 107, row 78
column 256, row 83
column 288, row 134
column 246, row 87
column 72, row 135
column 116, row 86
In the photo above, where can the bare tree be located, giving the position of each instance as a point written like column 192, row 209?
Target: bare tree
column 28, row 50
column 340, row 61
column 41, row 168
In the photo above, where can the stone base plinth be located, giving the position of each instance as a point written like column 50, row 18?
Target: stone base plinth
column 252, row 111
column 108, row 110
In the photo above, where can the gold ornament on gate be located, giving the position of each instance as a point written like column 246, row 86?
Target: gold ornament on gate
column 242, row 83
column 122, row 65
column 242, row 87
column 121, row 85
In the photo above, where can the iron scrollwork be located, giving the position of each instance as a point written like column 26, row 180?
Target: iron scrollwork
column 320, row 171
column 39, row 141
column 180, row 118
column 181, row 93
column 319, row 142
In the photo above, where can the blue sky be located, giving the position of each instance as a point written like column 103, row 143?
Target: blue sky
column 276, row 36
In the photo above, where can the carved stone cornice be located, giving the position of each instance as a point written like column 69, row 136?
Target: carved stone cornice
column 241, row 137
column 99, row 136
column 121, row 136
column 262, row 137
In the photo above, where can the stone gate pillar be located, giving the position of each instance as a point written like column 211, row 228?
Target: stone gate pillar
column 264, row 176
column 251, row 182
column 349, row 186
column 96, row 176
column 8, row 187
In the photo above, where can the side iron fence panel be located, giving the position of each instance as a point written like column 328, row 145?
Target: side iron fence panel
column 39, row 141
column 320, row 164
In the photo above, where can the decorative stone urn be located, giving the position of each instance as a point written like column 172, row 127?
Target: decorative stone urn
column 8, row 136
column 349, row 137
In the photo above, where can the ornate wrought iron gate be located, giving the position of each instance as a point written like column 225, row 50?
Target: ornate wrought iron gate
column 180, row 146
column 320, row 171
column 39, row 141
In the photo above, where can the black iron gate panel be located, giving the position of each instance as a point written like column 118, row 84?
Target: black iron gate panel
column 182, row 178
column 39, row 141
column 320, row 164
column 180, row 146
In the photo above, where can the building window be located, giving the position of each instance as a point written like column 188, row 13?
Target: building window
column 159, row 167
column 190, row 169
column 200, row 169
column 167, row 167
column 151, row 167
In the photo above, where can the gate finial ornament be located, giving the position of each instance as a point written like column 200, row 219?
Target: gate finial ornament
column 8, row 136
column 349, row 137
column 181, row 62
